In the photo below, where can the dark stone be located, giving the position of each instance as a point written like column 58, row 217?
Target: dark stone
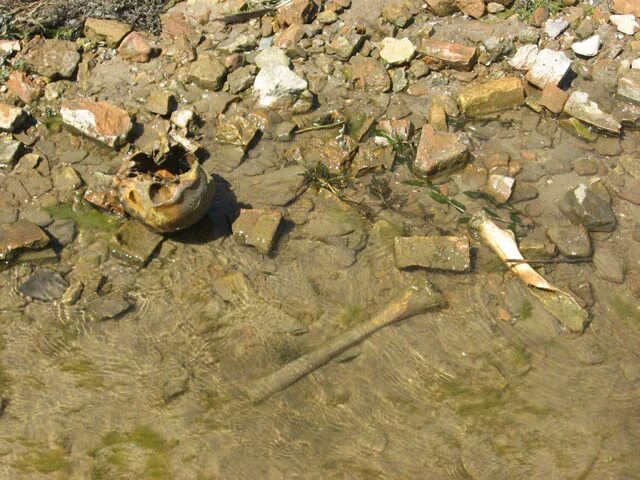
column 45, row 285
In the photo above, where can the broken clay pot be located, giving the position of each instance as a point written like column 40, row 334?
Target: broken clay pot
column 167, row 194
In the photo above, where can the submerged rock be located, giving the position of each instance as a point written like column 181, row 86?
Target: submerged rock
column 439, row 253
column 257, row 228
column 45, row 285
column 440, row 152
column 109, row 306
column 20, row 235
column 135, row 243
column 98, row 120
column 571, row 240
column 582, row 205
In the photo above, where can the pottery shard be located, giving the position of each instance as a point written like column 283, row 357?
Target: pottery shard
column 454, row 55
column 51, row 58
column 18, row 235
column 492, row 96
column 98, row 120
column 297, row 12
column 135, row 48
column 109, row 31
column 11, row 117
column 440, row 152
column 26, row 87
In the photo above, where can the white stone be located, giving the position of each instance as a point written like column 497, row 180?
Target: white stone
column 9, row 46
column 270, row 56
column 626, row 24
column 588, row 47
column 11, row 117
column 525, row 57
column 276, row 81
column 550, row 67
column 396, row 51
column 500, row 187
column 636, row 64
column 553, row 28
column 182, row 118
column 493, row 7
column 581, row 107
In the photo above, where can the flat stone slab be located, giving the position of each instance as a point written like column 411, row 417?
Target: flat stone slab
column 109, row 306
column 493, row 96
column 454, row 55
column 207, row 72
column 135, row 243
column 98, row 120
column 582, row 205
column 51, row 58
column 581, row 107
column 257, row 228
column 550, row 66
column 45, row 285
column 102, row 30
column 439, row 253
column 20, row 235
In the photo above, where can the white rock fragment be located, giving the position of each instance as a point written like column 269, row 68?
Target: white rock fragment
column 525, row 57
column 396, row 51
column 554, row 27
column 8, row 47
column 581, row 107
column 101, row 121
column 275, row 82
column 635, row 64
column 626, row 24
column 550, row 67
column 588, row 47
column 11, row 117
column 183, row 118
column 271, row 55
column 500, row 187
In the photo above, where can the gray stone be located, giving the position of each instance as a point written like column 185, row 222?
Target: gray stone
column 135, row 243
column 240, row 79
column 51, row 58
column 63, row 231
column 629, row 86
column 581, row 107
column 109, row 306
column 631, row 165
column 207, row 72
column 583, row 205
column 20, row 235
column 609, row 265
column 440, row 253
column 571, row 240
column 8, row 152
column 45, row 285
column 272, row 55
column 276, row 82
column 344, row 47
column 554, row 27
column 238, row 43
column 277, row 188
column 66, row 179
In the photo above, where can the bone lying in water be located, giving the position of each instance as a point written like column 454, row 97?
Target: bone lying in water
column 557, row 302
column 420, row 297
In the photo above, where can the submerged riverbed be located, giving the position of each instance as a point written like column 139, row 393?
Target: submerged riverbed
column 125, row 354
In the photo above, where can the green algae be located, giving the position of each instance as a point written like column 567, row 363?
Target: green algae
column 43, row 461
column 85, row 217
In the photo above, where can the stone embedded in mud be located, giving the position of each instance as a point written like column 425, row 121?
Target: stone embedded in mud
column 588, row 47
column 626, row 24
column 609, row 264
column 257, row 228
column 500, row 187
column 26, row 87
column 440, row 152
column 98, row 120
column 9, row 149
column 276, row 82
column 491, row 96
column 238, row 130
column 397, row 12
column 102, row 30
column 578, row 129
column 553, row 98
column 582, row 205
column 554, row 27
column 438, row 253
column 45, row 285
column 135, row 243
column 550, row 66
column 271, row 55
column 297, row 12
column 345, row 46
column 474, row 8
column 11, row 117
column 66, row 179
column 135, row 48
column 579, row 106
column 368, row 74
column 161, row 102
column 454, row 55
column 109, row 306
column 525, row 57
column 207, row 72
column 571, row 240
column 51, row 58
column 629, row 86
column 396, row 52
column 241, row 79
column 631, row 165
column 20, row 235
